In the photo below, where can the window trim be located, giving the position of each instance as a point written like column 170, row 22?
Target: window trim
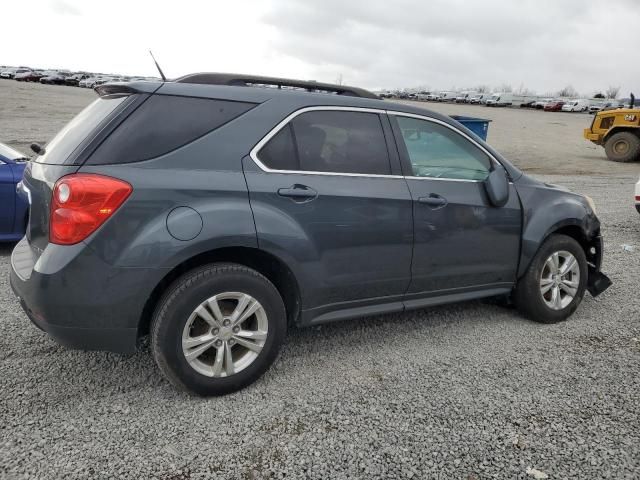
column 389, row 113
column 254, row 151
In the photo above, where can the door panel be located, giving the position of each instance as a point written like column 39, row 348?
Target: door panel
column 462, row 242
column 465, row 242
column 7, row 198
column 327, row 198
column 351, row 240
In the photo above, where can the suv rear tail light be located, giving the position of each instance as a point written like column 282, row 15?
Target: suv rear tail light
column 81, row 203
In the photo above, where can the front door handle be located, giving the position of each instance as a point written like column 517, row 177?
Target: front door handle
column 298, row 193
column 433, row 200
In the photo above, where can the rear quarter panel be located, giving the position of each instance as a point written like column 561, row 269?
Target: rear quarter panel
column 205, row 175
column 137, row 236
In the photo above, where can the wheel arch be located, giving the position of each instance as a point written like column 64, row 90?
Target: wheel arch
column 549, row 212
column 621, row 128
column 272, row 267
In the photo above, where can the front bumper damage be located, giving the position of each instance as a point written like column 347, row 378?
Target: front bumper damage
column 598, row 282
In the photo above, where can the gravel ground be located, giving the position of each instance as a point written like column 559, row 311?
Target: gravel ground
column 469, row 391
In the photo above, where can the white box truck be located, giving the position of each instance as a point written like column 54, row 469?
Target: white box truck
column 447, row 96
column 505, row 99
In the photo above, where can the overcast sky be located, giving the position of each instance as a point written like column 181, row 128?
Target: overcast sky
column 543, row 45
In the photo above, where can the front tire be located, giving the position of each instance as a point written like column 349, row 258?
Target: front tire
column 217, row 329
column 623, row 147
column 554, row 284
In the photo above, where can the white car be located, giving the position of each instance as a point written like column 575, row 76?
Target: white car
column 102, row 80
column 575, row 106
column 638, row 196
column 464, row 97
column 8, row 73
column 479, row 98
column 22, row 73
column 93, row 81
column 86, row 83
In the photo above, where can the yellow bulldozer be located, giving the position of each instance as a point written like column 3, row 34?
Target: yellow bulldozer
column 618, row 131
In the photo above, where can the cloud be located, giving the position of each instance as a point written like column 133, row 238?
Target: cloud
column 543, row 44
column 61, row 7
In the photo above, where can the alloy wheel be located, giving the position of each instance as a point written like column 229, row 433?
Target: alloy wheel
column 560, row 280
column 225, row 334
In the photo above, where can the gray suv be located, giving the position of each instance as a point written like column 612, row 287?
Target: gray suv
column 214, row 211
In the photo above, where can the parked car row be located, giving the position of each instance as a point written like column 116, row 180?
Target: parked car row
column 508, row 99
column 64, row 77
column 555, row 105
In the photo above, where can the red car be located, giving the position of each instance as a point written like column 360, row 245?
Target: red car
column 554, row 106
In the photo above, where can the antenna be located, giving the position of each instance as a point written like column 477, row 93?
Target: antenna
column 164, row 79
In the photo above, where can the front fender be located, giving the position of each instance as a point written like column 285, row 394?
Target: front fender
column 547, row 209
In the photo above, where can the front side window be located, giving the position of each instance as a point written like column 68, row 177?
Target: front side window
column 437, row 151
column 329, row 141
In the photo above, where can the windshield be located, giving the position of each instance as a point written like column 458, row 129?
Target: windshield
column 65, row 142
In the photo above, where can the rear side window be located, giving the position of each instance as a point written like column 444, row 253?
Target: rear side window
column 162, row 124
column 329, row 141
column 65, row 142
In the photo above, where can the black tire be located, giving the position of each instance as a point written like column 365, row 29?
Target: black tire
column 527, row 295
column 178, row 303
column 623, row 147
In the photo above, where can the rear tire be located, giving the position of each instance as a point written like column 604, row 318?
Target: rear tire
column 544, row 294
column 623, row 147
column 198, row 341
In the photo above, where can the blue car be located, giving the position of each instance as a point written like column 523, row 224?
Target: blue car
column 14, row 202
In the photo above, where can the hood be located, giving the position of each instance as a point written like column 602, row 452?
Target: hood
column 534, row 182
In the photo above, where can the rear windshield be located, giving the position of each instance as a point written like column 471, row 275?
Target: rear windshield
column 65, row 142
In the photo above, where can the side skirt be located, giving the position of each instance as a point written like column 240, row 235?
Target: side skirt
column 311, row 317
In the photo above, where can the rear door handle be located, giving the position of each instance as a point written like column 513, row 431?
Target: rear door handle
column 298, row 193
column 433, row 200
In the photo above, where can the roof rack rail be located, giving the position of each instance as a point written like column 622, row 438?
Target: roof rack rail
column 273, row 82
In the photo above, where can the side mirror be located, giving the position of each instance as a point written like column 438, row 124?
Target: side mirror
column 497, row 187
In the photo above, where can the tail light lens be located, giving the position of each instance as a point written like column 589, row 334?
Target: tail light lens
column 81, row 203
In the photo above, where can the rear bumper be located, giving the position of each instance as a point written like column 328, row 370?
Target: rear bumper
column 117, row 340
column 79, row 300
